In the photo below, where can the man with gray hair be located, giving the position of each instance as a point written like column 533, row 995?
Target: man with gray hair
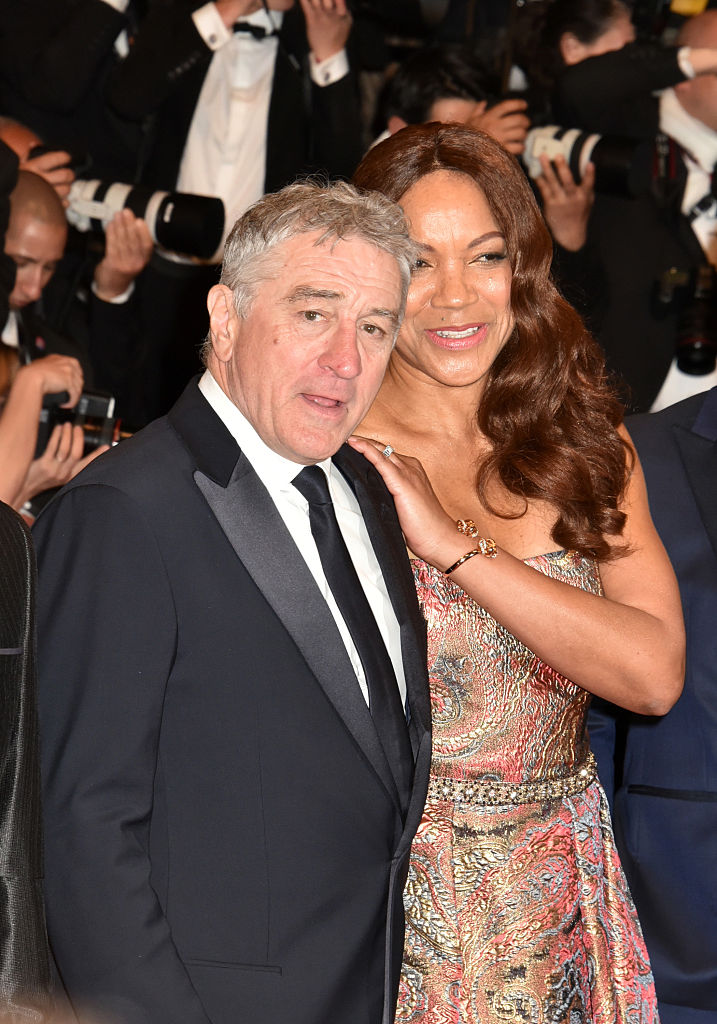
column 233, row 695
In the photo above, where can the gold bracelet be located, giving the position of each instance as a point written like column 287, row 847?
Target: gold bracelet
column 486, row 546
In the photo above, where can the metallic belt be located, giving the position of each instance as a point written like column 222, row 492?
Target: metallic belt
column 484, row 792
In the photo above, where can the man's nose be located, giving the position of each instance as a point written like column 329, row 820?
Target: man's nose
column 341, row 354
column 32, row 283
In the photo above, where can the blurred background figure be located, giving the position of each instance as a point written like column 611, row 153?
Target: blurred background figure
column 660, row 774
column 24, row 958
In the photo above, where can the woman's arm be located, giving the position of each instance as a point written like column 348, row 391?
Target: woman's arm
column 627, row 647
column 21, row 416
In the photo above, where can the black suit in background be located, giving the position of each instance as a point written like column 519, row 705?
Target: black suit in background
column 661, row 773
column 24, row 965
column 223, row 837
column 55, row 59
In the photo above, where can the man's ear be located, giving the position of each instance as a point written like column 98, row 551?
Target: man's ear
column 223, row 321
column 571, row 49
column 395, row 124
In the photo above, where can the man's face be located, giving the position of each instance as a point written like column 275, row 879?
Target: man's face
column 36, row 248
column 306, row 362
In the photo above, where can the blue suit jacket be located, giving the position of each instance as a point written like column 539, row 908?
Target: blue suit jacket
column 661, row 773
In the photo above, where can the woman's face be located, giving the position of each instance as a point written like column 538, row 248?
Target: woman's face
column 458, row 314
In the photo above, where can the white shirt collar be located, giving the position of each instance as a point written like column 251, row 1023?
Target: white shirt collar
column 699, row 141
column 270, row 21
column 275, row 471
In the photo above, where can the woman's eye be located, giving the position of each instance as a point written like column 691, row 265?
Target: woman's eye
column 491, row 257
column 420, row 264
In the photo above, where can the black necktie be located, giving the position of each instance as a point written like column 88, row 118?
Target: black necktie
column 384, row 699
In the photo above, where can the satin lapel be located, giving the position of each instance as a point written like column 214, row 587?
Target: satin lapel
column 256, row 531
column 698, row 449
column 387, row 540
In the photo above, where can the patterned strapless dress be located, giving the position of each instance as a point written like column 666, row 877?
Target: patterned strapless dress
column 517, row 908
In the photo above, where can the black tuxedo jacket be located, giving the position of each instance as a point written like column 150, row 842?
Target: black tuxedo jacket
column 24, row 964
column 662, row 772
column 310, row 128
column 223, row 839
column 637, row 240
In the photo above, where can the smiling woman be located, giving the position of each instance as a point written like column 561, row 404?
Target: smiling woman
column 542, row 581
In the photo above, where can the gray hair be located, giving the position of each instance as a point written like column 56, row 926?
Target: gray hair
column 336, row 210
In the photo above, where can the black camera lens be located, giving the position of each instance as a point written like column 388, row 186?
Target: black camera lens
column 697, row 330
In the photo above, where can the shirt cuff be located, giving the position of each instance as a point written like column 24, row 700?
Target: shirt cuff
column 118, row 300
column 331, row 70
column 684, row 62
column 119, row 5
column 208, row 23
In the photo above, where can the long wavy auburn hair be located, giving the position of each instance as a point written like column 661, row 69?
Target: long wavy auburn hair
column 548, row 408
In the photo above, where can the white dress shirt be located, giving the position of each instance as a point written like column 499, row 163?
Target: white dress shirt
column 277, row 473
column 225, row 151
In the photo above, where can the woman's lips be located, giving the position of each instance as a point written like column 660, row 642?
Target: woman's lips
column 458, row 337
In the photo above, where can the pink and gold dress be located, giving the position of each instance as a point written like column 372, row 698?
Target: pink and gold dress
column 517, row 909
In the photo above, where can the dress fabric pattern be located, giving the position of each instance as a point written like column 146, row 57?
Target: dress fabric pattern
column 517, row 908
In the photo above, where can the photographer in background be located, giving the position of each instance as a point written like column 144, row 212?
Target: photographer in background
column 445, row 82
column 653, row 208
column 37, row 361
column 92, row 299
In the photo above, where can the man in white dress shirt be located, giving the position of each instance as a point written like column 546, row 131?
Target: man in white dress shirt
column 232, row 775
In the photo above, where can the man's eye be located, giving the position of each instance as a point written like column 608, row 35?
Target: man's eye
column 312, row 315
column 374, row 330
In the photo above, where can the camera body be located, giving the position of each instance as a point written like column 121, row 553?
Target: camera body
column 94, row 412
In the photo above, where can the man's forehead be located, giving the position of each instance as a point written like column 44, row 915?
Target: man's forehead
column 40, row 238
column 352, row 257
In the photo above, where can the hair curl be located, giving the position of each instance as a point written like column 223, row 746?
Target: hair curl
column 548, row 408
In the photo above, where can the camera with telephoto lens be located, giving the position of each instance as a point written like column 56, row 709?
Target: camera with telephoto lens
column 94, row 412
column 622, row 165
column 178, row 221
column 696, row 348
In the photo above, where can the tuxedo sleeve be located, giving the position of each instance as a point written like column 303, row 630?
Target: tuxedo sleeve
column 167, row 48
column 613, row 92
column 51, row 52
column 107, row 634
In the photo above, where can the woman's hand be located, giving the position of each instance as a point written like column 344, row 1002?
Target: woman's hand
column 430, row 532
column 53, row 374
column 62, row 459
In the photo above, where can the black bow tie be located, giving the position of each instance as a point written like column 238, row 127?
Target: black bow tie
column 257, row 31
